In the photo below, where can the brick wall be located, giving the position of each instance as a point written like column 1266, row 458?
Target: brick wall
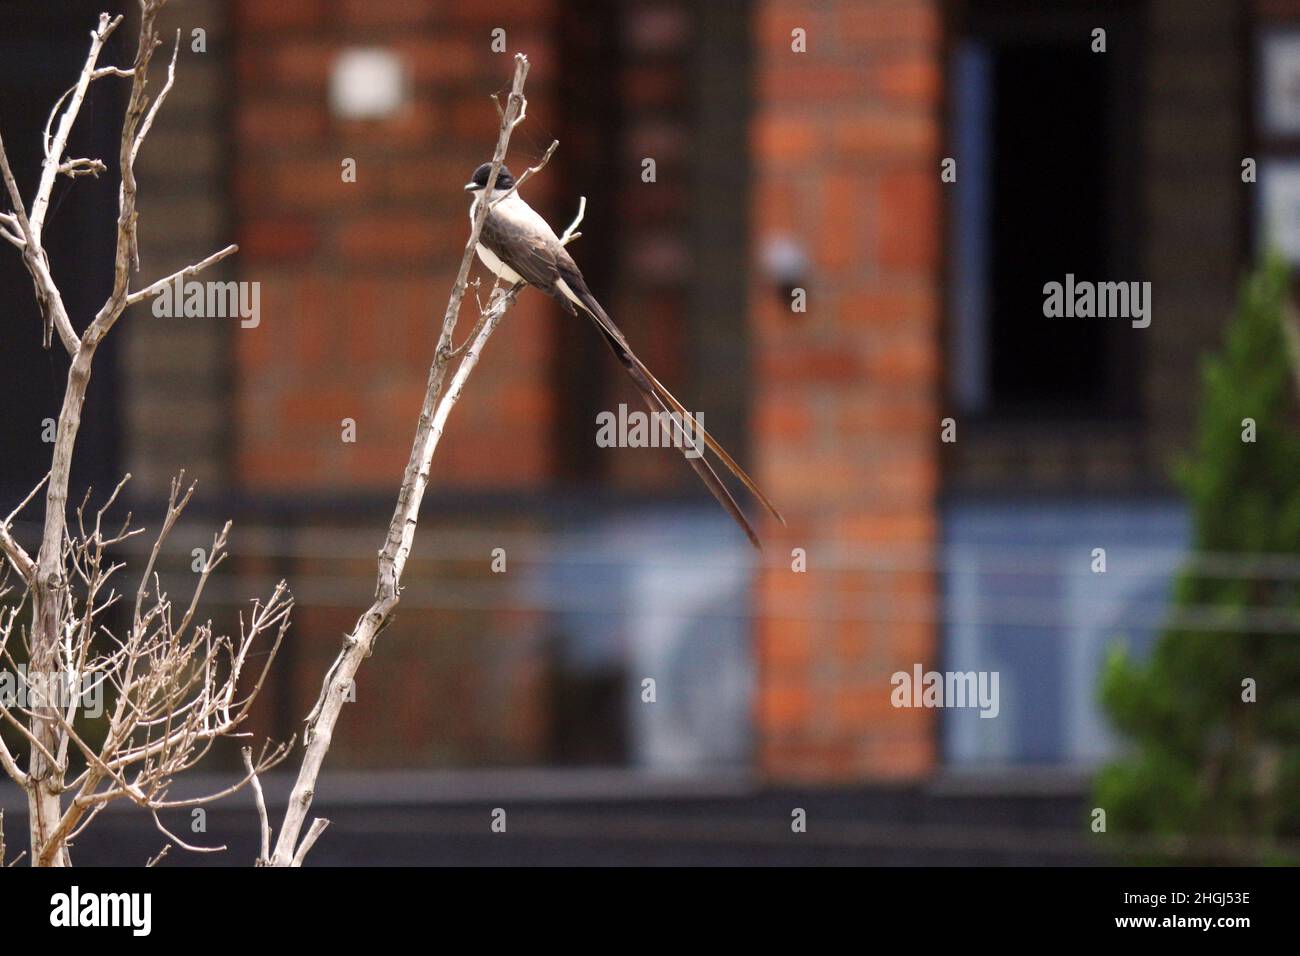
column 842, row 402
column 355, row 275
column 843, row 156
column 354, row 279
column 846, row 163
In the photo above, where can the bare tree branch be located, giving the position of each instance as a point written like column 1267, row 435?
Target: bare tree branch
column 156, row 288
column 54, row 147
column 570, row 231
column 313, row 834
column 73, row 168
column 47, row 293
column 529, row 173
column 15, row 773
column 158, row 857
column 20, row 559
column 52, row 165
column 177, row 686
column 401, row 530
column 264, row 857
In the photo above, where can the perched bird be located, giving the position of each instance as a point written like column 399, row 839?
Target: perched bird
column 518, row 245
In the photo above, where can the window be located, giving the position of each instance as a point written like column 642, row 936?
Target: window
column 1044, row 131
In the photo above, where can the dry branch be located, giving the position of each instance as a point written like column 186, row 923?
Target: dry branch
column 176, row 685
column 434, row 411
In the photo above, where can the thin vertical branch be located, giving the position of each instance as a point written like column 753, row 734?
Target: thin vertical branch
column 401, row 530
column 265, row 856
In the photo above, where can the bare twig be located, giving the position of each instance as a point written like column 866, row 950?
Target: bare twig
column 528, row 173
column 264, row 857
column 26, row 501
column 570, row 233
column 156, row 288
column 158, row 100
column 191, row 847
column 11, row 767
column 158, row 857
column 53, row 165
column 73, row 168
column 313, row 834
column 47, row 293
column 54, row 147
column 11, row 231
column 14, row 861
column 20, row 559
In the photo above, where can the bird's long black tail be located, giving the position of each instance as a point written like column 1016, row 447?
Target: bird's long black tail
column 659, row 399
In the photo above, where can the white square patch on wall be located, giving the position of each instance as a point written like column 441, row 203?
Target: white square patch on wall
column 367, row 83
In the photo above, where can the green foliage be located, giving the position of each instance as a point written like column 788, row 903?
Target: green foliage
column 1203, row 763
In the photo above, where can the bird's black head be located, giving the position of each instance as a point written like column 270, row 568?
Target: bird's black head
column 480, row 178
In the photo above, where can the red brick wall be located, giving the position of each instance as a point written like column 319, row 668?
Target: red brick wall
column 846, row 152
column 844, row 414
column 355, row 275
column 354, row 280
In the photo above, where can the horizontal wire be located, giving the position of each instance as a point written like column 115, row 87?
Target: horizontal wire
column 315, row 544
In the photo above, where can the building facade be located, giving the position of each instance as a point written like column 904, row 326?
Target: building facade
column 798, row 267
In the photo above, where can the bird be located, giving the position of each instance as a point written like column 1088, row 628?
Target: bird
column 518, row 245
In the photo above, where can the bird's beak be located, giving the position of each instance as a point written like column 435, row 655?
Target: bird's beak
column 470, row 187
